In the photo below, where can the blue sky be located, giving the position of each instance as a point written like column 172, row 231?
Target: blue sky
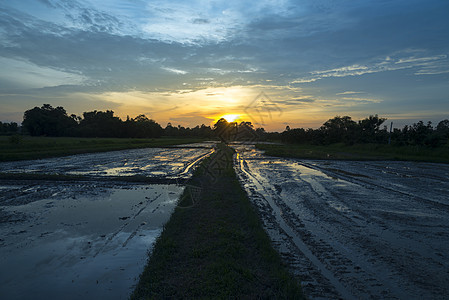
column 189, row 62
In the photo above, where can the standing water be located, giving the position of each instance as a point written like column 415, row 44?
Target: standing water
column 86, row 239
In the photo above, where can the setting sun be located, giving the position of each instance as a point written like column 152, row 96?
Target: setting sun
column 230, row 117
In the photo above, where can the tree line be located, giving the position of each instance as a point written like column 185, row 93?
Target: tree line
column 342, row 130
column 55, row 121
column 369, row 130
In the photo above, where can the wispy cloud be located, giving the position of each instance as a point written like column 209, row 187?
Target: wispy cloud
column 360, row 99
column 420, row 60
column 25, row 75
column 437, row 64
column 173, row 70
column 350, row 93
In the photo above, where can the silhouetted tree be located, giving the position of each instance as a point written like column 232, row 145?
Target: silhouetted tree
column 297, row 135
column 142, row 127
column 222, row 130
column 419, row 133
column 443, row 129
column 233, row 131
column 369, row 129
column 245, row 132
column 201, row 131
column 47, row 120
column 169, row 130
column 339, row 129
column 101, row 124
column 9, row 128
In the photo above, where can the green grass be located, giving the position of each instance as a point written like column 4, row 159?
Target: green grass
column 358, row 152
column 44, row 147
column 214, row 246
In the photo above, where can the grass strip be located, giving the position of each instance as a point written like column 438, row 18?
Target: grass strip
column 358, row 152
column 45, row 147
column 214, row 245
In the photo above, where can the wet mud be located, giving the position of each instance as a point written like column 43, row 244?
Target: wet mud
column 86, row 239
column 353, row 229
column 173, row 162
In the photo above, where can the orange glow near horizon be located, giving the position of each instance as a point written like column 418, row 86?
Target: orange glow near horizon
column 230, row 117
column 207, row 106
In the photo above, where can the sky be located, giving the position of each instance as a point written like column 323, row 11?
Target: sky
column 272, row 62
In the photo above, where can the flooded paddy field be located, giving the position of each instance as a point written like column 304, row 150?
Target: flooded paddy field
column 171, row 162
column 86, row 239
column 355, row 229
column 78, row 240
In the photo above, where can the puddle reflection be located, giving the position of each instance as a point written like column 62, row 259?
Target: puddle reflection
column 86, row 247
column 144, row 162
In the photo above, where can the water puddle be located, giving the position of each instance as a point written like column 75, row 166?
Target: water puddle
column 84, row 246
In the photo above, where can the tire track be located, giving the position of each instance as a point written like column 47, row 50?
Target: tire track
column 369, row 255
column 278, row 214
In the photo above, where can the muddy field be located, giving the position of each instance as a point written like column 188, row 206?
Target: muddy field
column 355, row 230
column 86, row 239
column 174, row 162
column 352, row 230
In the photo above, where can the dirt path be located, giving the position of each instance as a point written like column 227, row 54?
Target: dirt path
column 214, row 245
